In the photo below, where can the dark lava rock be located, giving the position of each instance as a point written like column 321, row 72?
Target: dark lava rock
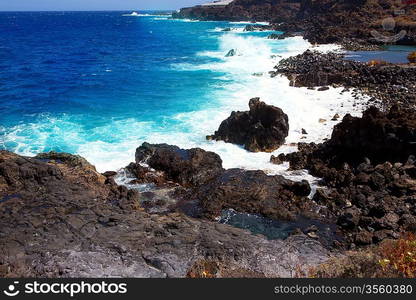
column 61, row 219
column 231, row 53
column 390, row 83
column 276, row 160
column 378, row 136
column 368, row 169
column 65, row 158
column 282, row 36
column 243, row 10
column 255, row 192
column 256, row 27
column 187, row 167
column 375, row 137
column 262, row 129
column 146, row 175
column 364, row 238
column 274, row 36
column 110, row 174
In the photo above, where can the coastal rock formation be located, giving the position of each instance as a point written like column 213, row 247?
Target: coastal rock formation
column 376, row 136
column 187, row 167
column 60, row 218
column 392, row 84
column 335, row 21
column 368, row 168
column 256, row 27
column 244, row 191
column 262, row 129
column 355, row 24
column 244, row 10
column 312, row 69
column 255, row 192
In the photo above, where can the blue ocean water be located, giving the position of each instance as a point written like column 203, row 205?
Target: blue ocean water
column 93, row 69
column 101, row 83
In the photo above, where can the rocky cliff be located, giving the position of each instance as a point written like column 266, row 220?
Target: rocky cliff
column 367, row 21
column 323, row 21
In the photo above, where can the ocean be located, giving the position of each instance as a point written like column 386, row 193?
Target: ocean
column 99, row 84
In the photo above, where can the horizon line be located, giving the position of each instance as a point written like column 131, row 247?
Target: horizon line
column 104, row 10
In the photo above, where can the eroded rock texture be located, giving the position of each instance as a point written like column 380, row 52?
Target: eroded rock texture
column 262, row 129
column 60, row 218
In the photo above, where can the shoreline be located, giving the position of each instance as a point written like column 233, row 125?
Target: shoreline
column 238, row 100
column 160, row 215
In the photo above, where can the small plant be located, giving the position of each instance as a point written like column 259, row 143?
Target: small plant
column 204, row 269
column 391, row 259
column 400, row 256
column 412, row 57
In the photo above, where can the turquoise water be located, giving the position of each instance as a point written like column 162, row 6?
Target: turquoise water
column 99, row 84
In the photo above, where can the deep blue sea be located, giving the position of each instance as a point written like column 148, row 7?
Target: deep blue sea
column 99, row 84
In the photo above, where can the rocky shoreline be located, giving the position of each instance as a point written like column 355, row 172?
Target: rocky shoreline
column 61, row 218
column 386, row 84
column 356, row 25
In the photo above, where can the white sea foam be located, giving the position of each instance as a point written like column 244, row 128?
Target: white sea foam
column 236, row 30
column 304, row 107
column 136, row 14
column 255, row 55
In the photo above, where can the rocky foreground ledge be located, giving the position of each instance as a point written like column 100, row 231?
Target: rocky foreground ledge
column 60, row 218
column 354, row 24
column 386, row 84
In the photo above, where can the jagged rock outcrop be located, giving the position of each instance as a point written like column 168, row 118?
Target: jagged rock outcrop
column 262, row 129
column 376, row 136
column 356, row 24
column 255, row 192
column 244, row 10
column 60, row 218
column 392, row 84
column 368, row 170
column 346, row 21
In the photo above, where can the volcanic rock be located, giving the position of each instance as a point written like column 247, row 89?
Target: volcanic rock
column 367, row 167
column 262, row 129
column 243, row 10
column 187, row 167
column 255, row 192
column 63, row 219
